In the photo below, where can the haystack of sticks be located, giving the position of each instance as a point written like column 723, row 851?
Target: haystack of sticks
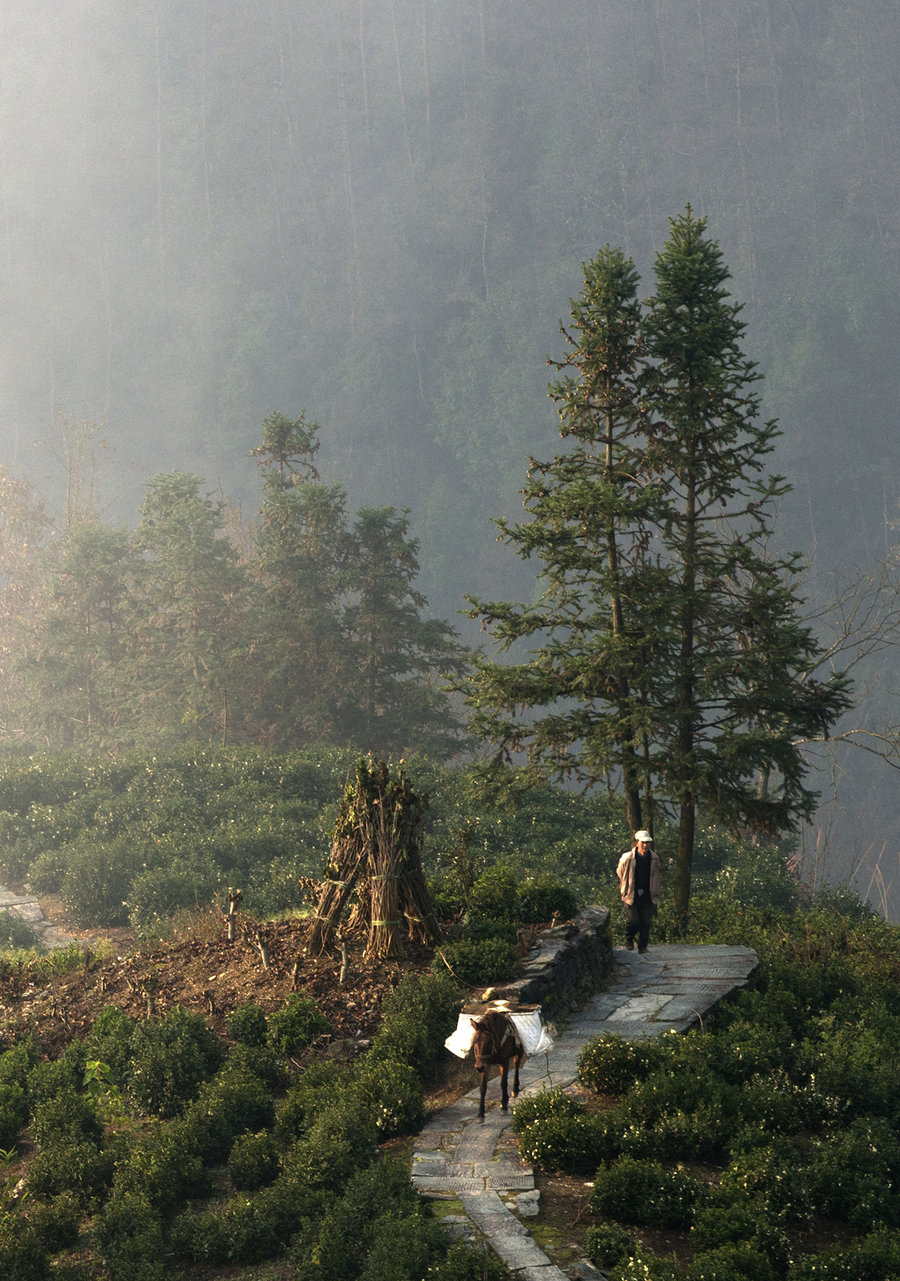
column 375, row 866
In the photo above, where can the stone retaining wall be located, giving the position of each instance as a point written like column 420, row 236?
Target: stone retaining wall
column 567, row 964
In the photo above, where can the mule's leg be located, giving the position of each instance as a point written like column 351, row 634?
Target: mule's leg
column 484, row 1077
column 516, row 1061
column 504, row 1085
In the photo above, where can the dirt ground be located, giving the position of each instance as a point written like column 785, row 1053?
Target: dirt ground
column 202, row 971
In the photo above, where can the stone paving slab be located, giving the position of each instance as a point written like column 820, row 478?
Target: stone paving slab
column 668, row 988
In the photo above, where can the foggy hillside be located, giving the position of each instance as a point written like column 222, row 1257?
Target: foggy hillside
column 377, row 212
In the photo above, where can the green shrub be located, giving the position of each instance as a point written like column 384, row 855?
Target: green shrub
column 467, row 1263
column 109, row 1041
column 340, row 1141
column 234, row 1101
column 732, row 1263
column 556, row 1132
column 495, row 892
column 55, row 1225
column 403, row 1249
column 16, row 932
column 253, row 1161
column 478, row 962
column 476, row 927
column 98, row 880
column 313, row 1091
column 774, row 1177
column 644, row 1193
column 873, row 1258
column 612, row 1065
column 13, row 1113
column 729, row 1218
column 539, row 898
column 170, row 1058
column 853, row 1174
column 129, row 1238
column 71, row 1165
column 22, row 1255
column 607, row 1244
column 259, row 1061
column 418, row 1016
column 164, row 1166
column 296, row 1025
column 337, row 1248
column 65, row 1116
column 392, row 1093
column 247, row 1024
column 246, row 1230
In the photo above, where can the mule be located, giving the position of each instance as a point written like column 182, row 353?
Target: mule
column 497, row 1044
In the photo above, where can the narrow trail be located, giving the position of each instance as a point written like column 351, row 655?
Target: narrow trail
column 26, row 905
column 457, row 1157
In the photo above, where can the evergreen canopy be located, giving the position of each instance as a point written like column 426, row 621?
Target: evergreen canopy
column 667, row 651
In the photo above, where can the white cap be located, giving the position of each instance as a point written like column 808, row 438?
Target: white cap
column 644, row 836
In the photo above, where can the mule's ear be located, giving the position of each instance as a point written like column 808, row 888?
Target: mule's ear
column 475, row 1024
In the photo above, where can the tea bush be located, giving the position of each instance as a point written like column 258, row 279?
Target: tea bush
column 247, row 1024
column 478, row 962
column 854, row 1174
column 129, row 1239
column 540, row 898
column 16, row 932
column 732, row 1263
column 314, row 1090
column 253, row 1161
column 337, row 1249
column 13, row 1113
column 170, row 1058
column 403, row 1249
column 612, row 1065
column 98, row 880
column 65, row 1117
column 495, row 893
column 23, row 1257
column 775, row 1178
column 55, row 1224
column 556, row 1132
column 233, row 1101
column 296, row 1025
column 728, row 1218
column 645, row 1193
column 340, row 1141
column 417, row 1017
column 872, row 1258
column 392, row 1093
column 163, row 1166
column 71, row 1165
column 606, row 1244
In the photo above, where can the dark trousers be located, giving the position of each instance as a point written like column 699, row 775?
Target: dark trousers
column 638, row 916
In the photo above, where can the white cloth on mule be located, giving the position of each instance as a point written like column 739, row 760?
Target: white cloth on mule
column 534, row 1036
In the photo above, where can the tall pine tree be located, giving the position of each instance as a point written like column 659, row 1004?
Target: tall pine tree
column 668, row 648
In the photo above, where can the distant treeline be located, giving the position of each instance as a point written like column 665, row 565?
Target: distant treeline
column 304, row 626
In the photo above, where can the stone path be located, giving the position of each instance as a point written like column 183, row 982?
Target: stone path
column 459, row 1158
column 27, row 906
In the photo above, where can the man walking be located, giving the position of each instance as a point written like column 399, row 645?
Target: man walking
column 638, row 873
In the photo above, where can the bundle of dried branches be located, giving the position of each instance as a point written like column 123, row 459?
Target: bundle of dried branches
column 376, row 861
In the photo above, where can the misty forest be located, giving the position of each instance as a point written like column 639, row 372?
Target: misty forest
column 368, row 220
column 439, row 439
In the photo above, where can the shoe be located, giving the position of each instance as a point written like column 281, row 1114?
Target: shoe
column 630, row 945
column 642, row 950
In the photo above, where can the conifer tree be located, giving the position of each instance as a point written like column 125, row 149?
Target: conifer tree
column 669, row 644
column 584, row 682
column 740, row 684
